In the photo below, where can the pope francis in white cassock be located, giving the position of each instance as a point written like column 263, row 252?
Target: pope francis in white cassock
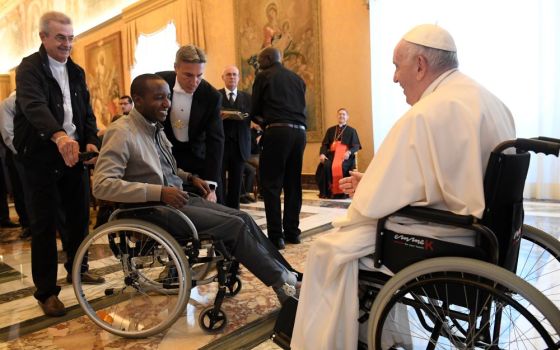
column 434, row 156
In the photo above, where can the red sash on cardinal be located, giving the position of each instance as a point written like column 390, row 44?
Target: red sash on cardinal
column 339, row 151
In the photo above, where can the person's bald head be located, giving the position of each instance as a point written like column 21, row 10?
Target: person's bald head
column 230, row 76
column 268, row 56
column 419, row 59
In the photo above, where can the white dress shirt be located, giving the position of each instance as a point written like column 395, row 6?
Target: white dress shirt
column 180, row 112
column 60, row 73
column 229, row 92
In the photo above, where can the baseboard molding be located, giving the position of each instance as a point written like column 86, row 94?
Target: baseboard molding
column 308, row 182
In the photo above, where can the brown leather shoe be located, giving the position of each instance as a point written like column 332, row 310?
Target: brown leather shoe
column 53, row 307
column 87, row 278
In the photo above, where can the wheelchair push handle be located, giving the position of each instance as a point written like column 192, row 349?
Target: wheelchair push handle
column 539, row 145
column 530, row 145
column 549, row 139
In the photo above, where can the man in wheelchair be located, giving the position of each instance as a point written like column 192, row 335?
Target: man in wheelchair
column 434, row 156
column 136, row 166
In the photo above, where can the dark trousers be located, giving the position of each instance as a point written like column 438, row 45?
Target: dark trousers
column 242, row 237
column 249, row 174
column 232, row 174
column 59, row 199
column 280, row 168
column 19, row 188
column 4, row 209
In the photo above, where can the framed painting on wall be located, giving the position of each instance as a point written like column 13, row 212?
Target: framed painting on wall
column 104, row 74
column 293, row 27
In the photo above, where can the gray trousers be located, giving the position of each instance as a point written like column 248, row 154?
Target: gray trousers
column 242, row 237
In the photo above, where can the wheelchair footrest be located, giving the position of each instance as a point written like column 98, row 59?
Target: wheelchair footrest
column 284, row 325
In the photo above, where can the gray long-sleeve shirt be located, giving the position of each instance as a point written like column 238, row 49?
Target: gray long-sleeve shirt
column 129, row 169
column 7, row 114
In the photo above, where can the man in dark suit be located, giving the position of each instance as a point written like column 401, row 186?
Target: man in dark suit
column 53, row 123
column 237, row 146
column 194, row 126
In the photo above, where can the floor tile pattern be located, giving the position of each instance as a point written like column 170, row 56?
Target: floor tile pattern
column 22, row 325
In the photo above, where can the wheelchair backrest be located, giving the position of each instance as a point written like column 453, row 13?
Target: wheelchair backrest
column 504, row 183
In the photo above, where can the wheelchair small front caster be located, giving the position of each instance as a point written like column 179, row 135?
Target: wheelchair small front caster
column 211, row 320
column 234, row 287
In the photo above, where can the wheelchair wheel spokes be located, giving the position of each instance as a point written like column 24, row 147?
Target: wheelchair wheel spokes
column 450, row 306
column 139, row 298
column 539, row 262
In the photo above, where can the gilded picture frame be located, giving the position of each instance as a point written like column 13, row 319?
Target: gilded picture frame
column 105, row 79
column 293, row 26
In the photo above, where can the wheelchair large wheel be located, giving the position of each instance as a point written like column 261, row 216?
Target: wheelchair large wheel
column 147, row 278
column 539, row 262
column 459, row 303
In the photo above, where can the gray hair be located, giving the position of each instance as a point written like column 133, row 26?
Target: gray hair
column 441, row 60
column 190, row 54
column 54, row 16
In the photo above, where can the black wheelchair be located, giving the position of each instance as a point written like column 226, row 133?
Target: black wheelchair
column 151, row 256
column 501, row 293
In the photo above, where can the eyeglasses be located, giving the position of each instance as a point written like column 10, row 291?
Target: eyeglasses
column 62, row 38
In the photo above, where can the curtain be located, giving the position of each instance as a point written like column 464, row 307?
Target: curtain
column 148, row 18
column 512, row 47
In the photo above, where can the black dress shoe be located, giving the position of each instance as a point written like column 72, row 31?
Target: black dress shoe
column 292, row 239
column 87, row 278
column 26, row 233
column 244, row 200
column 278, row 243
column 8, row 224
column 53, row 307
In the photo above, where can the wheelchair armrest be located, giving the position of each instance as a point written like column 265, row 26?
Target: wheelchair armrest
column 448, row 218
column 140, row 205
column 436, row 216
column 445, row 218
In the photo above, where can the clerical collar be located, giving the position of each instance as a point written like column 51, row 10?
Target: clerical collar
column 435, row 84
column 179, row 89
column 55, row 63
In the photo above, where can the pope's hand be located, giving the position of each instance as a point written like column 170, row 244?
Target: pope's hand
column 349, row 184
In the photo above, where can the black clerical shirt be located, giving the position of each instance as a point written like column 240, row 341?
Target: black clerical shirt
column 279, row 96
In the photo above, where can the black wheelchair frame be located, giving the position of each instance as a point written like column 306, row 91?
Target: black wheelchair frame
column 159, row 251
column 460, row 296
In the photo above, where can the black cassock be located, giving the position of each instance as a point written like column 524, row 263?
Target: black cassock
column 323, row 175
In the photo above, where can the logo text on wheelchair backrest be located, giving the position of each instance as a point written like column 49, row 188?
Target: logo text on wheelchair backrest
column 413, row 242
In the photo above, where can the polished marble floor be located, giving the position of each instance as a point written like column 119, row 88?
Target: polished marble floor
column 22, row 325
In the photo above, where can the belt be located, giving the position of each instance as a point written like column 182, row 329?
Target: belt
column 286, row 125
